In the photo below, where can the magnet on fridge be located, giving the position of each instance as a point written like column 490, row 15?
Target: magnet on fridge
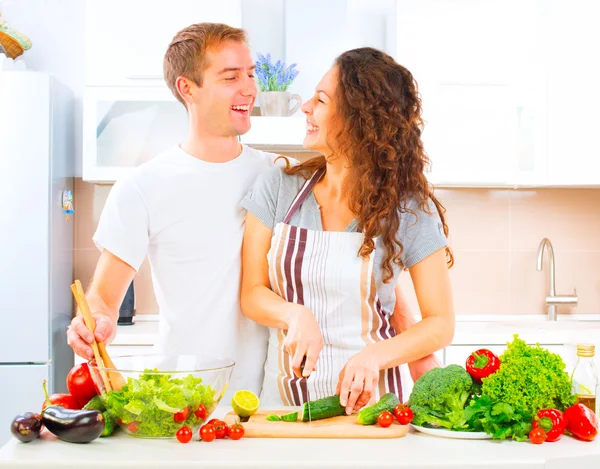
column 67, row 204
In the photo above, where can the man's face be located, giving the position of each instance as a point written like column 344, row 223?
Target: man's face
column 224, row 102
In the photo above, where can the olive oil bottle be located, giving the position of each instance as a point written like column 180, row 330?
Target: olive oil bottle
column 585, row 378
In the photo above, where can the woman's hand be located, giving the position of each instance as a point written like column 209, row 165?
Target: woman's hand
column 358, row 379
column 304, row 338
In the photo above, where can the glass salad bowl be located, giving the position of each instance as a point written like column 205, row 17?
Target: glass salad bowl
column 153, row 396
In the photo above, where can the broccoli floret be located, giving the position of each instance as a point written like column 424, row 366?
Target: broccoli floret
column 439, row 397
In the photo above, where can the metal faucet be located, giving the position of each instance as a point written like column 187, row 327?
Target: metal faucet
column 553, row 300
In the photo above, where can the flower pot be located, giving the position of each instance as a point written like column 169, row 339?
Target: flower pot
column 277, row 103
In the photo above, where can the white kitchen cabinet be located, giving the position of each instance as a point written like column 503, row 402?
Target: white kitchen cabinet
column 482, row 86
column 572, row 36
column 126, row 40
column 125, row 126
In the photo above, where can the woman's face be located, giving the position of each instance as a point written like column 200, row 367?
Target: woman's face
column 321, row 128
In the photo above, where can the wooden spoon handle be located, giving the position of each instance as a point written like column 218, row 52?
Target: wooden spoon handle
column 91, row 325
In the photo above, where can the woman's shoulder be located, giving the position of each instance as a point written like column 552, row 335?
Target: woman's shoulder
column 415, row 205
column 276, row 180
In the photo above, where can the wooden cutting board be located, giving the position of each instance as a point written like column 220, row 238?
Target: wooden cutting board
column 344, row 426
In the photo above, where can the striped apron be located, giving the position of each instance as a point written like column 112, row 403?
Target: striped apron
column 323, row 271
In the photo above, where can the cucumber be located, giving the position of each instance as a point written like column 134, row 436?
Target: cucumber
column 95, row 403
column 291, row 417
column 323, row 408
column 368, row 415
column 273, row 418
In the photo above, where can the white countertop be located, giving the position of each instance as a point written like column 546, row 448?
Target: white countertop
column 414, row 450
column 470, row 330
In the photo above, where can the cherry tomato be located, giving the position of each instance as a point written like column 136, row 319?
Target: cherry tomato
column 133, row 426
column 385, row 419
column 235, row 431
column 181, row 416
column 537, row 436
column 403, row 414
column 213, row 421
column 200, row 412
column 220, row 429
column 207, row 432
column 184, row 434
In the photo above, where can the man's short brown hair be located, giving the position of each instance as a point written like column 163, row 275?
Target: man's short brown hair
column 186, row 55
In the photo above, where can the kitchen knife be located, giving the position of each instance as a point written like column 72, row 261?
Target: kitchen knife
column 307, row 389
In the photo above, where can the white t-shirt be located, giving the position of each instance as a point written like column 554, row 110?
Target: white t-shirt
column 185, row 214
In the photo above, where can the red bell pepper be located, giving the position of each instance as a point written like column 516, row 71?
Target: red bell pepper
column 552, row 422
column 481, row 364
column 582, row 422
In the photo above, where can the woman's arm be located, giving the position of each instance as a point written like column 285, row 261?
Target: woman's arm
column 264, row 306
column 434, row 332
column 402, row 320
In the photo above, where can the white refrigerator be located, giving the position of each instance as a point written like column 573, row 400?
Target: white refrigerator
column 36, row 241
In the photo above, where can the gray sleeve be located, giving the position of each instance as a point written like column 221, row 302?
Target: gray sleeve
column 421, row 234
column 261, row 200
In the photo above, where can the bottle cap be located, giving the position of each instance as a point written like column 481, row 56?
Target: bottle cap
column 585, row 350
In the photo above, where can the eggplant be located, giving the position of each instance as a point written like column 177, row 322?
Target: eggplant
column 74, row 426
column 26, row 427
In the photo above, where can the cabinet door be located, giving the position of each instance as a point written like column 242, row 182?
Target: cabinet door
column 124, row 127
column 126, row 40
column 572, row 36
column 481, row 88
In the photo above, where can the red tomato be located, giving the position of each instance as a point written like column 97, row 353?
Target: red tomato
column 213, row 421
column 80, row 383
column 385, row 419
column 184, row 434
column 537, row 436
column 220, row 429
column 181, row 416
column 235, row 431
column 207, row 432
column 133, row 426
column 200, row 412
column 403, row 414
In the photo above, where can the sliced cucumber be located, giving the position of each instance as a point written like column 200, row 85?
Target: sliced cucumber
column 291, row 417
column 273, row 418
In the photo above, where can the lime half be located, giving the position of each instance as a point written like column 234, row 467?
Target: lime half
column 245, row 403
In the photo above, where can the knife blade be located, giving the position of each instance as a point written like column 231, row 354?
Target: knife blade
column 307, row 389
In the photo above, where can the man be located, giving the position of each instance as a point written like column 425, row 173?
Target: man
column 181, row 209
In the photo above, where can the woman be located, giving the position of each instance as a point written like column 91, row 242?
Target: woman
column 325, row 242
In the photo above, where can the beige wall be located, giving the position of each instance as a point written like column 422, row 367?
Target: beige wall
column 494, row 235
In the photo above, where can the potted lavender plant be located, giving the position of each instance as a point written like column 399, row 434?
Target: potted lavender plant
column 273, row 82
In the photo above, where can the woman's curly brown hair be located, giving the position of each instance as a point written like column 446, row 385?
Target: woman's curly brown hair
column 380, row 118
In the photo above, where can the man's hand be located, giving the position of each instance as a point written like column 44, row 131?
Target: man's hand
column 80, row 338
column 423, row 365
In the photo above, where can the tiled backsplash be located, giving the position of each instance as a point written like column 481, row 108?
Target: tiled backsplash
column 494, row 233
